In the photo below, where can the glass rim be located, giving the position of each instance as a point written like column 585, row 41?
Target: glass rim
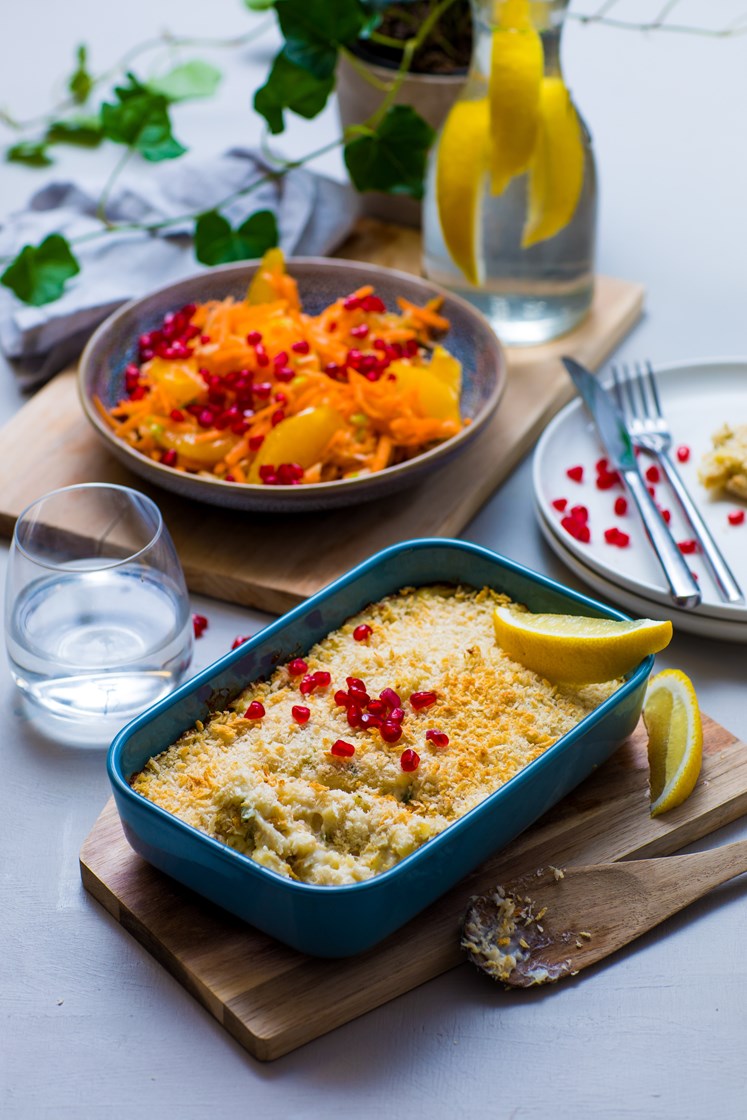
column 128, row 490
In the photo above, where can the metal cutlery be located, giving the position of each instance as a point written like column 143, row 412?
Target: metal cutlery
column 619, row 447
column 638, row 400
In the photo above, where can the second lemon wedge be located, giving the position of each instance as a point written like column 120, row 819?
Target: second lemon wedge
column 573, row 649
column 675, row 739
column 556, row 173
column 516, row 67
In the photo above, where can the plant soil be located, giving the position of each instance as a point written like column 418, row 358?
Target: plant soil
column 447, row 50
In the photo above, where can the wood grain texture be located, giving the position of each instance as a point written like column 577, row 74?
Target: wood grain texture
column 273, row 999
column 273, row 563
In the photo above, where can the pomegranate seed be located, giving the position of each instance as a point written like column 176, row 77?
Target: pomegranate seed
column 687, row 547
column 239, row 640
column 621, row 506
column 607, row 480
column 683, row 453
column 341, row 698
column 575, row 473
column 322, row 678
column 240, row 427
column 229, row 477
column 653, row 474
column 204, row 339
column 354, row 715
column 358, row 697
column 409, row 760
column 256, row 710
column 391, row 732
column 254, row 338
column 373, row 303
column 361, row 331
column 139, row 392
column 300, row 713
column 355, row 682
column 736, row 517
column 284, row 374
column 169, row 458
column 205, row 419
column 602, row 466
column 261, row 356
column 420, row 700
column 301, row 347
column 277, row 417
column 280, row 359
column 297, row 667
column 342, row 749
column 377, row 708
column 652, row 491
column 617, row 537
column 397, row 715
column 369, row 720
column 666, row 515
column 266, row 471
column 576, row 529
column 308, row 684
column 363, row 632
column 332, row 326
column 199, row 624
column 439, row 738
column 255, row 442
column 560, row 504
column 390, row 697
column 177, row 415
column 580, row 513
column 332, row 369
column 262, row 389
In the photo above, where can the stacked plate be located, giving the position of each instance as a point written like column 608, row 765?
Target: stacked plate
column 698, row 398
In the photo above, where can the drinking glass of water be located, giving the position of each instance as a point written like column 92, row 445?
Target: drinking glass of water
column 97, row 617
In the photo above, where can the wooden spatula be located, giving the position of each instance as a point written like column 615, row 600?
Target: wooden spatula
column 552, row 923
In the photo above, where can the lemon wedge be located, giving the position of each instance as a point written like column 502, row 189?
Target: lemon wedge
column 516, row 66
column 556, row 173
column 461, row 167
column 574, row 649
column 675, row 739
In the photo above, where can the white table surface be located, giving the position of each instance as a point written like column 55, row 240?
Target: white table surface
column 91, row 1025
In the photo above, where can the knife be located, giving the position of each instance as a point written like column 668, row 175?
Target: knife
column 617, row 443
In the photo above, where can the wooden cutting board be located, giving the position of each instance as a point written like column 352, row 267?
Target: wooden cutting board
column 273, row 999
column 272, row 563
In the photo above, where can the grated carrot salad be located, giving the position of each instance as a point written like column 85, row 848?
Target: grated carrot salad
column 257, row 391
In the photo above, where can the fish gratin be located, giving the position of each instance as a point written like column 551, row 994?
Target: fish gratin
column 385, row 733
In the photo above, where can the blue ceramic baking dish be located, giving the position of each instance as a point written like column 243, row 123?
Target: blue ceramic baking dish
column 331, row 921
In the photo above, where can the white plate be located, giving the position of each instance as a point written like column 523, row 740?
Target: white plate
column 705, row 626
column 697, row 398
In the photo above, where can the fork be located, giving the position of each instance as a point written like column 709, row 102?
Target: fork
column 638, row 399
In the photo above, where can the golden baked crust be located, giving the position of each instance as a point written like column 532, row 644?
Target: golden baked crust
column 725, row 467
column 271, row 789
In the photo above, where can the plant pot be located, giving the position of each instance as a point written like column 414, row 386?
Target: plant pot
column 431, row 95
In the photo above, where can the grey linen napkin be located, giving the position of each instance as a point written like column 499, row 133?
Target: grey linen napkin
column 314, row 215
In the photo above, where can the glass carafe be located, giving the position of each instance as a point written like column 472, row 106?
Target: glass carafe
column 531, row 287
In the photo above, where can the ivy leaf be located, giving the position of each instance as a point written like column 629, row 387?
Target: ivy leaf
column 38, row 274
column 290, row 87
column 315, row 29
column 80, row 83
column 217, row 243
column 191, row 80
column 31, row 152
column 84, row 132
column 139, row 119
column 392, row 157
column 259, row 5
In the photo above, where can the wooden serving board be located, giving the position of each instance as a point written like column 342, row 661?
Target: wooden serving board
column 271, row 562
column 273, row 999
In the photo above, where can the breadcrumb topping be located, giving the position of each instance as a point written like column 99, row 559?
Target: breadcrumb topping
column 272, row 789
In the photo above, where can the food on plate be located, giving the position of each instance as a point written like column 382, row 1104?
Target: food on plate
column 390, row 729
column 575, row 649
column 258, row 391
column 675, row 739
column 725, row 467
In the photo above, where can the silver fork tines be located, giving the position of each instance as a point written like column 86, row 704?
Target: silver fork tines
column 638, row 399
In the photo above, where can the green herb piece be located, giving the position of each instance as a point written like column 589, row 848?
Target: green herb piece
column 84, row 132
column 38, row 274
column 186, row 82
column 140, row 120
column 315, row 29
column 31, row 152
column 391, row 157
column 290, row 87
column 217, row 243
column 80, row 82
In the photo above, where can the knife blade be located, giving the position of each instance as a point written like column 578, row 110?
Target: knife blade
column 618, row 445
